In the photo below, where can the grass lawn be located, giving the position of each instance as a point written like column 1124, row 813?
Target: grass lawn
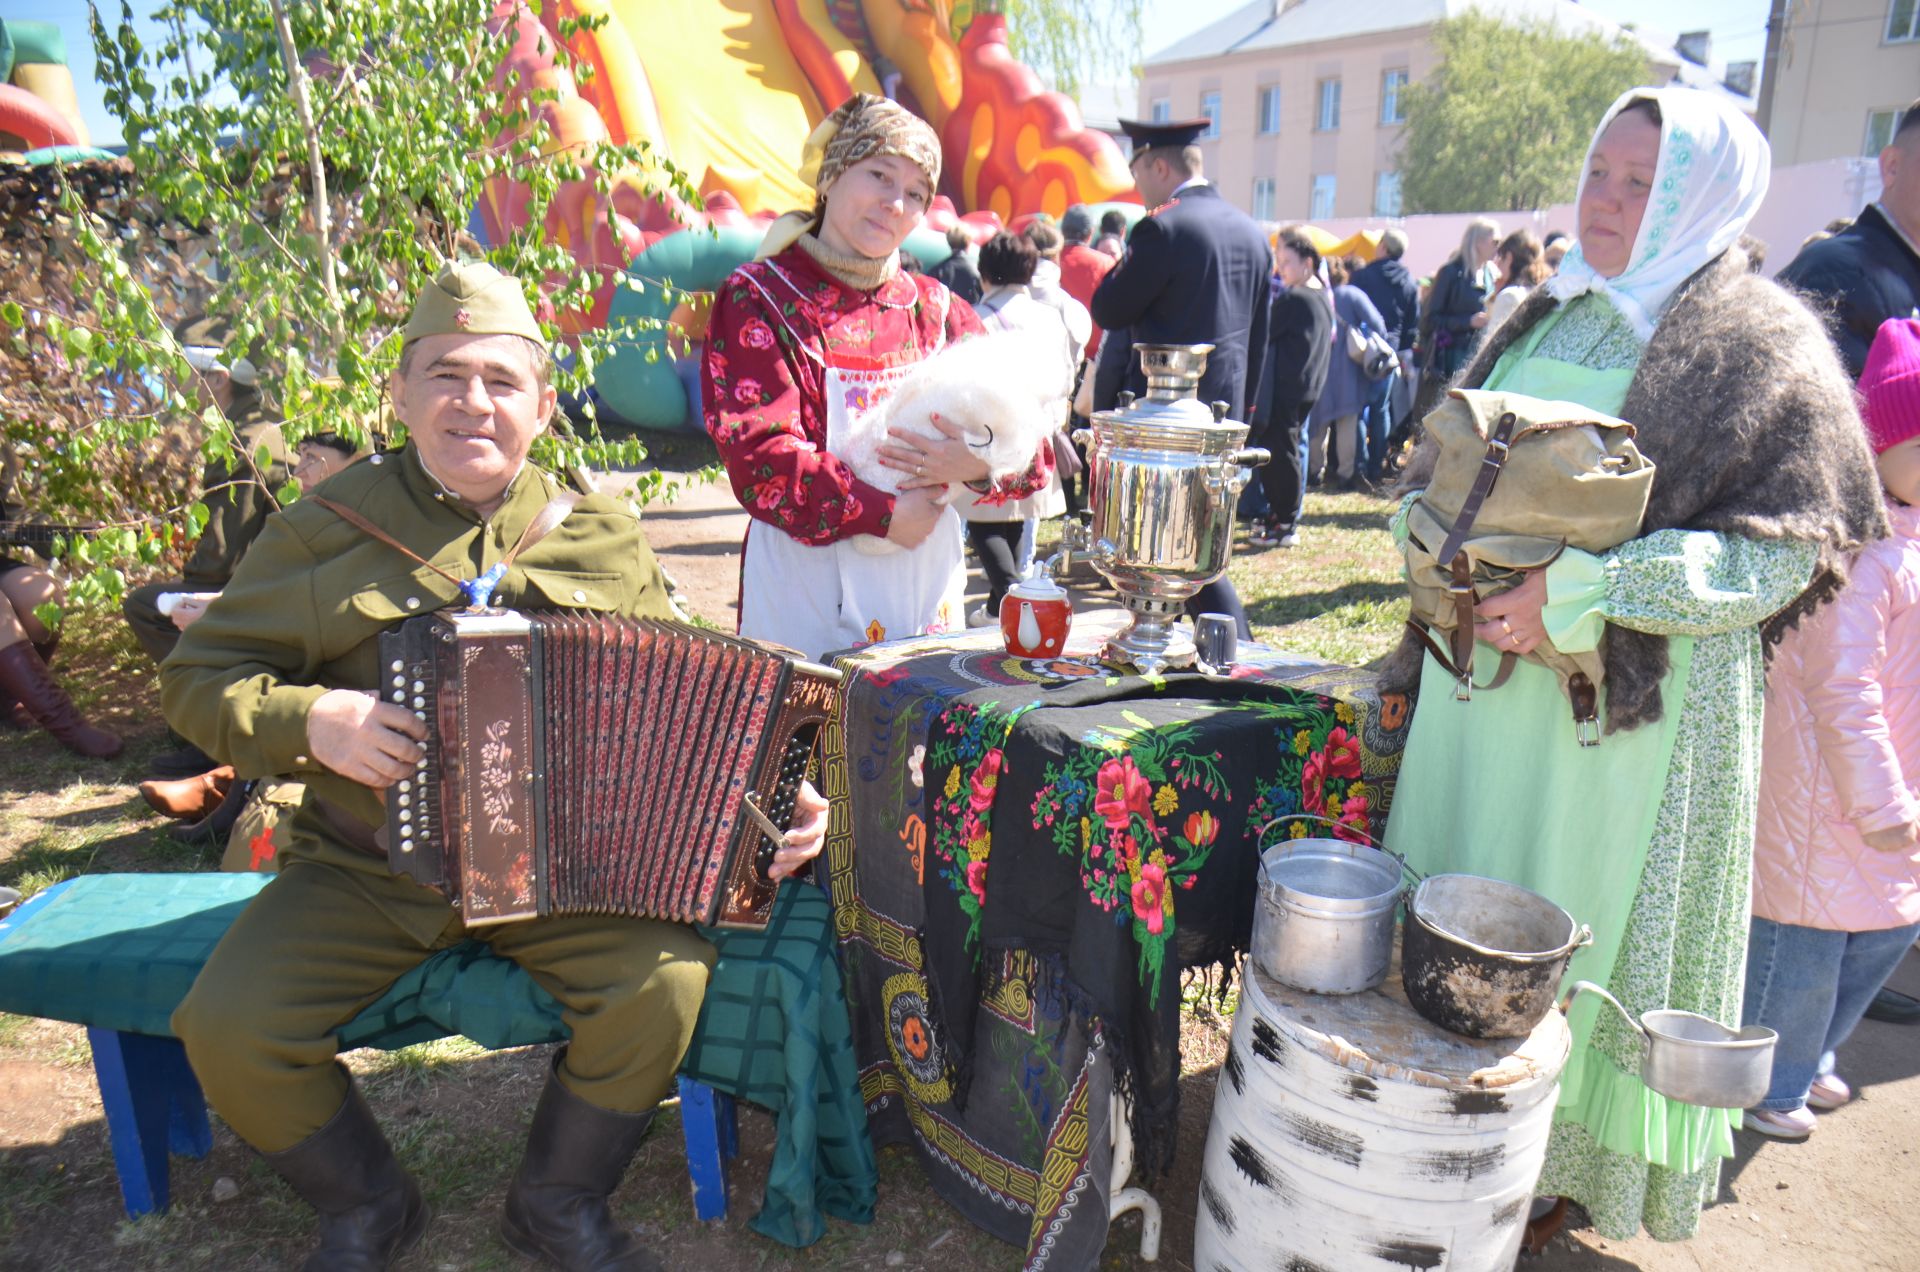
column 457, row 1113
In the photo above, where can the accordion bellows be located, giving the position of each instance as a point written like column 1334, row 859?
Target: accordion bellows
column 590, row 764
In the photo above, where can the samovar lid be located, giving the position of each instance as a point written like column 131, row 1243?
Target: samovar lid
column 1171, row 416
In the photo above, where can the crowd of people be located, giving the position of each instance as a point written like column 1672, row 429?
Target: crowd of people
column 1758, row 857
column 1651, row 310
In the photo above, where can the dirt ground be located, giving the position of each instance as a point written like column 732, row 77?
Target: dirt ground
column 1843, row 1200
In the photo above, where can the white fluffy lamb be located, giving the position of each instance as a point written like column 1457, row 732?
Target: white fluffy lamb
column 1007, row 389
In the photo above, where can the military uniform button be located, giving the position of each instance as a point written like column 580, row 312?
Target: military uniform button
column 413, row 602
column 579, row 596
column 377, row 460
column 300, row 759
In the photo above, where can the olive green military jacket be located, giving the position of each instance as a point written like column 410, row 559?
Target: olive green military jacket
column 236, row 512
column 304, row 611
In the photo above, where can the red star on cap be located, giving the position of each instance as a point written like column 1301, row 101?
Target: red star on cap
column 462, row 318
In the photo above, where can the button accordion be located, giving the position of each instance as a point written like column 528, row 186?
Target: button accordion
column 590, row 764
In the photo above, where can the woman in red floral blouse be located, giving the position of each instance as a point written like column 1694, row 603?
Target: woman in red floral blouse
column 809, row 337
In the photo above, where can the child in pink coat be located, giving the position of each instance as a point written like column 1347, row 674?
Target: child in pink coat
column 1836, row 896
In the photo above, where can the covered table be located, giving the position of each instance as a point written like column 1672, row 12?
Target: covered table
column 1024, row 855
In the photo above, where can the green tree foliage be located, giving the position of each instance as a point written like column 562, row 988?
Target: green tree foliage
column 1504, row 120
column 308, row 166
column 1068, row 43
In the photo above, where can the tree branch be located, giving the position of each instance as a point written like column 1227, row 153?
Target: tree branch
column 322, row 218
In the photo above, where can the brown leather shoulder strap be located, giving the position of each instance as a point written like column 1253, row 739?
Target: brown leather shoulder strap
column 1490, row 465
column 544, row 523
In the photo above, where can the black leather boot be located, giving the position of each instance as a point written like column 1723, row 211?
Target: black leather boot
column 557, row 1207
column 371, row 1211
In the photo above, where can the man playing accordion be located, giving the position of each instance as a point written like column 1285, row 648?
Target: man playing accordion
column 278, row 678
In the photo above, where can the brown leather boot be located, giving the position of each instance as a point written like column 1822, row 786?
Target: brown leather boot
column 25, row 676
column 190, row 798
column 557, row 1206
column 371, row 1210
column 12, row 714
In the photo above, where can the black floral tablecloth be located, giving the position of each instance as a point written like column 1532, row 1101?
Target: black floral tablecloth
column 1024, row 855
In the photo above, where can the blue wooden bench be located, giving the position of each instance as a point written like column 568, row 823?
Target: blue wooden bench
column 117, row 953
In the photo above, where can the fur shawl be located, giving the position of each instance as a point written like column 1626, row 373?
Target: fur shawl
column 1743, row 405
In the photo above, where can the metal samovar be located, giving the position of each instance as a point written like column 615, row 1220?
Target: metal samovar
column 1164, row 475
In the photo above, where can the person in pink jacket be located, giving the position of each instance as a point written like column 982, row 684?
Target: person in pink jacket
column 1836, row 896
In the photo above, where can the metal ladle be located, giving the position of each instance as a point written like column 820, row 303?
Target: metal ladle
column 1695, row 1059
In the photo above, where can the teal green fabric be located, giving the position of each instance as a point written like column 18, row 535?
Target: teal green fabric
column 121, row 951
column 117, row 951
column 775, row 1030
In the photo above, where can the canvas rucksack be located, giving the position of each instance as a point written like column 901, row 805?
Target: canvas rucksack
column 1518, row 480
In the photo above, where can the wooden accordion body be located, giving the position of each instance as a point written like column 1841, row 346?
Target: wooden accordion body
column 589, row 764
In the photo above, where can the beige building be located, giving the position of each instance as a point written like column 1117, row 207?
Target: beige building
column 1839, row 72
column 1306, row 95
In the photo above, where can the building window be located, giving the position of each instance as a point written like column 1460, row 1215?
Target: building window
column 1903, row 20
column 1210, row 107
column 1322, row 197
column 1263, row 198
column 1160, row 110
column 1270, row 109
column 1329, row 118
column 1386, row 194
column 1393, row 85
column 1880, row 130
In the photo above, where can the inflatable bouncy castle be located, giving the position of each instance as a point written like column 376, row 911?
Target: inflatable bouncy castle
column 728, row 90
column 38, row 106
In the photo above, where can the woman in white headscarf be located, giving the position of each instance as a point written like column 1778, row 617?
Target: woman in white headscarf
column 1762, row 486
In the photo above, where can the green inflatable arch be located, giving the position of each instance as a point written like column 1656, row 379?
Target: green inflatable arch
column 638, row 381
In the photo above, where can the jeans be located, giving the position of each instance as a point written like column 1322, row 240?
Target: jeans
column 1284, row 477
column 1374, row 426
column 1811, row 986
column 1346, row 449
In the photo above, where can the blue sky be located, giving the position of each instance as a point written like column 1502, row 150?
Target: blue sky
column 1738, row 26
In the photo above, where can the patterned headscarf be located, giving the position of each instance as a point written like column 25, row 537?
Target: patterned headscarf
column 1710, row 179
column 864, row 126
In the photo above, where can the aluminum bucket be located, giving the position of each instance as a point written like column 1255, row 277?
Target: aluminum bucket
column 1325, row 918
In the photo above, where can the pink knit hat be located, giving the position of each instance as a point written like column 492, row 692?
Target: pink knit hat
column 1889, row 387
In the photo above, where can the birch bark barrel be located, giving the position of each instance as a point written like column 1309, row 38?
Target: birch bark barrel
column 1350, row 1134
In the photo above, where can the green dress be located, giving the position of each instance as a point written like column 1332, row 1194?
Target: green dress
column 1648, row 837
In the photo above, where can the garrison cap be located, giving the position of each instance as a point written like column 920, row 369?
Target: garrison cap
column 472, row 298
column 1146, row 134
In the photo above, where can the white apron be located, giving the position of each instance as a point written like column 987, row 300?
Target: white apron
column 833, row 596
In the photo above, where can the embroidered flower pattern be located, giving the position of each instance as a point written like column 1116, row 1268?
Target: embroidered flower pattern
column 765, row 397
column 970, row 750
column 1117, row 811
column 1316, row 777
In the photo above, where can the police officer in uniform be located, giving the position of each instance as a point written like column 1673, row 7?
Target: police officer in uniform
column 1195, row 272
column 238, row 499
column 278, row 677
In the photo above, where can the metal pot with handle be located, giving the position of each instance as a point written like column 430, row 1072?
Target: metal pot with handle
column 1325, row 917
column 1693, row 1058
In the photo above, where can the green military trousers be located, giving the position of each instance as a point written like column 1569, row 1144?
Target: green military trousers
column 154, row 630
column 320, row 943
